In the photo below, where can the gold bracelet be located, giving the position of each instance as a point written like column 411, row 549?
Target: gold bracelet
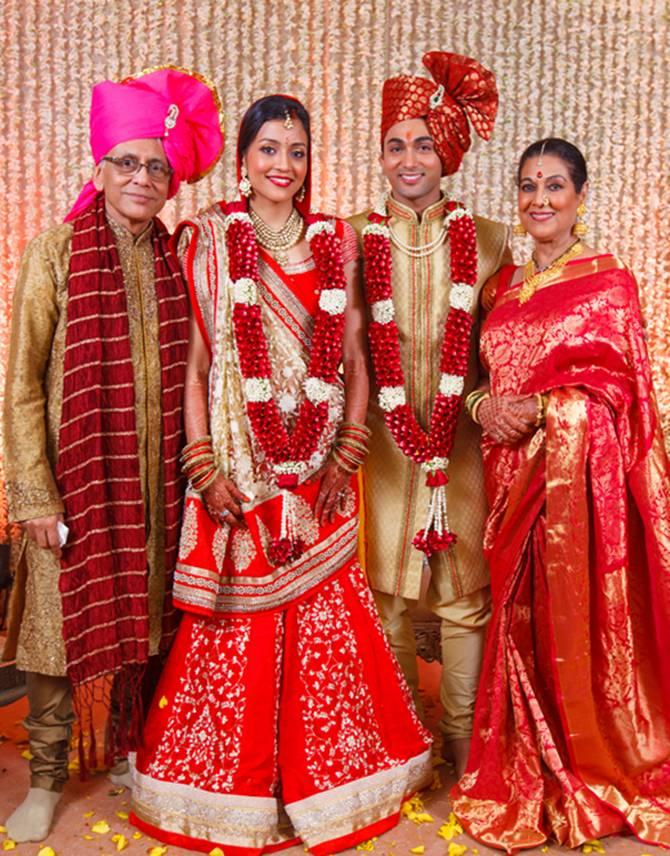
column 472, row 399
column 356, row 426
column 474, row 410
column 201, row 483
column 341, row 463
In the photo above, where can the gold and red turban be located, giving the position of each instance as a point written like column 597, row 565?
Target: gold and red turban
column 461, row 92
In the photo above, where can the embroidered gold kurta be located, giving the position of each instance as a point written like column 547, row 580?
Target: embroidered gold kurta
column 33, row 400
column 396, row 494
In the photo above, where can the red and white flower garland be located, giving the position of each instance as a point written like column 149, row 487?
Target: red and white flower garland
column 429, row 449
column 288, row 452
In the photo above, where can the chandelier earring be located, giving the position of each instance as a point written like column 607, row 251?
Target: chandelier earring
column 581, row 227
column 245, row 185
column 300, row 195
column 519, row 230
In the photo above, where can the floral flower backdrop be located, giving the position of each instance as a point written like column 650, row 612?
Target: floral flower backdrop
column 594, row 71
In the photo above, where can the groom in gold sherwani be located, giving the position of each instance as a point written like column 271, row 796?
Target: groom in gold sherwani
column 425, row 133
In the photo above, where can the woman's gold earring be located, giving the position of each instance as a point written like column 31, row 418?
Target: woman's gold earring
column 300, row 195
column 519, row 230
column 580, row 228
column 244, row 185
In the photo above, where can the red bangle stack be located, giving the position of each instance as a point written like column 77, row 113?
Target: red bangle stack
column 351, row 446
column 197, row 463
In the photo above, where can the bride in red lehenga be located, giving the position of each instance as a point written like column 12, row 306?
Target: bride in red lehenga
column 282, row 715
column 572, row 725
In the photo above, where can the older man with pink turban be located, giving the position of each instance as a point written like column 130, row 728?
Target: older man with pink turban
column 93, row 429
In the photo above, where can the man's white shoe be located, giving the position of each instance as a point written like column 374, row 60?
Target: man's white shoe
column 31, row 821
column 120, row 776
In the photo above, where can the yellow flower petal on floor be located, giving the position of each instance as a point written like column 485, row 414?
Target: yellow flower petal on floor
column 122, row 814
column 163, row 702
column 366, row 846
column 457, row 849
column 545, row 849
column 3, row 830
column 137, row 835
column 413, row 810
column 89, row 837
column 594, row 846
column 101, row 827
column 46, row 851
column 217, row 851
column 27, row 754
column 436, row 784
column 157, row 851
column 418, row 850
column 8, row 844
column 451, row 828
column 89, row 813
column 120, row 840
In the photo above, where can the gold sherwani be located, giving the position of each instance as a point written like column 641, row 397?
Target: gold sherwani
column 32, row 415
column 397, row 497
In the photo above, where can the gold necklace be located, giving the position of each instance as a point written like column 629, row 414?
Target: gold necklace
column 277, row 242
column 533, row 278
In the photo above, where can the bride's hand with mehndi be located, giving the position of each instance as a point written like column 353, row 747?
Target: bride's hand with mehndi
column 333, row 482
column 223, row 501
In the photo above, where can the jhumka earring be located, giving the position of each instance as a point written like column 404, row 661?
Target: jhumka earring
column 519, row 230
column 245, row 185
column 580, row 228
column 300, row 195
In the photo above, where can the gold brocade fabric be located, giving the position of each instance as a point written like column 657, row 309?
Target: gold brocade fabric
column 396, row 495
column 34, row 386
column 571, row 738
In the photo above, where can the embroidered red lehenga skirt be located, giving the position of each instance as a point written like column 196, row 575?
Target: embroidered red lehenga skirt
column 282, row 715
column 572, row 725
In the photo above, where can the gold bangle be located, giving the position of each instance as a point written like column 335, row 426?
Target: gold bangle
column 354, row 444
column 203, row 482
column 474, row 410
column 472, row 399
column 356, row 426
column 341, row 463
column 206, row 440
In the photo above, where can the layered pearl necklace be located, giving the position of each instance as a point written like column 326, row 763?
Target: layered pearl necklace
column 422, row 250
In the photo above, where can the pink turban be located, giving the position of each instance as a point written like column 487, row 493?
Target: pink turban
column 174, row 105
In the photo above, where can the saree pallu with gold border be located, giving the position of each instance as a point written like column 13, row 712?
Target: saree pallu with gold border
column 572, row 725
column 282, row 714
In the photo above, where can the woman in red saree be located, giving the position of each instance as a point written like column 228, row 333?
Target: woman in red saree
column 572, row 726
column 282, row 715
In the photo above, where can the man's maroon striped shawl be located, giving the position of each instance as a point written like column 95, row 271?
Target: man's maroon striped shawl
column 104, row 573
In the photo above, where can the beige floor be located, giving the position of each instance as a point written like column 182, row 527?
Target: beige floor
column 86, row 803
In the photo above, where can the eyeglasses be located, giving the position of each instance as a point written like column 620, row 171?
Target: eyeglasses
column 130, row 165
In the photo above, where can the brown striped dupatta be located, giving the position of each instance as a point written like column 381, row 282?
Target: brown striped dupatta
column 104, row 573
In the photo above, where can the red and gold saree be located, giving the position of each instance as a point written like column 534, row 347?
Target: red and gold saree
column 572, row 727
column 282, row 714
